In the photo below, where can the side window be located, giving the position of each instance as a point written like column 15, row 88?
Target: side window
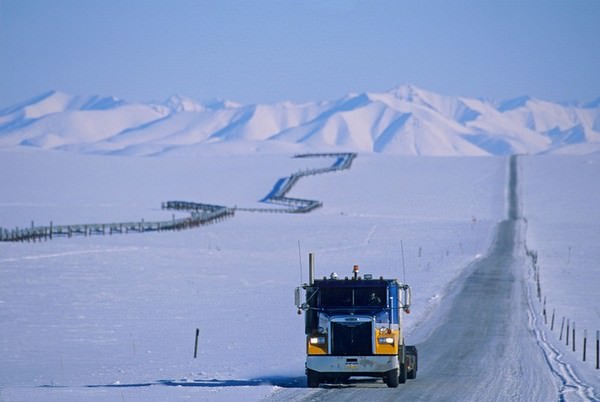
column 370, row 297
column 336, row 297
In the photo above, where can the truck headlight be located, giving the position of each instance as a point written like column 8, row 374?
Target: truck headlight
column 317, row 340
column 387, row 340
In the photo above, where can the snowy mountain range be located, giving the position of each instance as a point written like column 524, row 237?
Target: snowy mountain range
column 405, row 120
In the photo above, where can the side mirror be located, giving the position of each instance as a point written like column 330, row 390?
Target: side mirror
column 298, row 297
column 406, row 298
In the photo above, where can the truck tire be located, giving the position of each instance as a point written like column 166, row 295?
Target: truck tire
column 402, row 373
column 412, row 362
column 411, row 374
column 391, row 378
column 312, row 379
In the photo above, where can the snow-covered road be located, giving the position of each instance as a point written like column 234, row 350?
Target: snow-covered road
column 486, row 346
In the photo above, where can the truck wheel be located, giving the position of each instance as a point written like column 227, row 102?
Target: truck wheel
column 411, row 362
column 312, row 379
column 391, row 378
column 402, row 374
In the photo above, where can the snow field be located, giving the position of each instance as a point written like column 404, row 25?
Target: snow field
column 114, row 317
column 561, row 197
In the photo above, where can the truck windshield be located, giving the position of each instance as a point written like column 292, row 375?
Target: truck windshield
column 353, row 297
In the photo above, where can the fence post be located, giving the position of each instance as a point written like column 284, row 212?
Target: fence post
column 196, row 343
column 562, row 326
column 568, row 327
column 584, row 343
column 552, row 321
column 545, row 315
column 597, row 350
column 573, row 336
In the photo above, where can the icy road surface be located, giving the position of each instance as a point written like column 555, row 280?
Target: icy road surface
column 485, row 347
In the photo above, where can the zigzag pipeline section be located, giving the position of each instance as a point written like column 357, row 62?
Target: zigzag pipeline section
column 277, row 196
column 200, row 214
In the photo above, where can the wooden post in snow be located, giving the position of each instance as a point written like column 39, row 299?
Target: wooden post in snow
column 597, row 350
column 562, row 326
column 584, row 343
column 196, row 343
column 544, row 312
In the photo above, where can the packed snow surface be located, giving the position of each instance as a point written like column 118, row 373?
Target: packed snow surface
column 106, row 318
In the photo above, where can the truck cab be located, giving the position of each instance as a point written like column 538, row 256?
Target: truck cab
column 353, row 328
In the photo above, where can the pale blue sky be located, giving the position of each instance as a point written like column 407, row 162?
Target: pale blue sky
column 254, row 51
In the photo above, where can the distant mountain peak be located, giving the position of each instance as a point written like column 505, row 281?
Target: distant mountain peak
column 178, row 103
column 57, row 102
column 406, row 120
column 408, row 92
column 219, row 103
column 514, row 103
column 47, row 103
column 98, row 102
column 22, row 105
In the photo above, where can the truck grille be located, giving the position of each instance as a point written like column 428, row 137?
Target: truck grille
column 351, row 339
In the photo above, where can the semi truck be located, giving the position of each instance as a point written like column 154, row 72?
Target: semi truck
column 353, row 328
